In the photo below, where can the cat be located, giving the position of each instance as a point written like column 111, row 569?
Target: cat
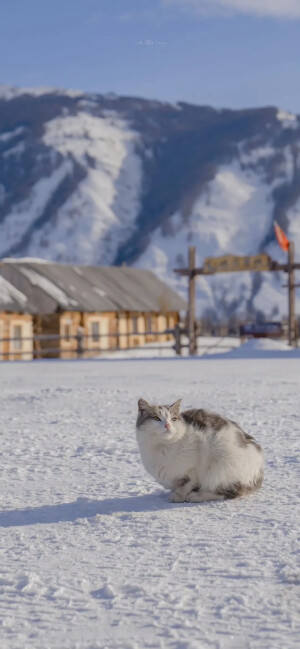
column 198, row 454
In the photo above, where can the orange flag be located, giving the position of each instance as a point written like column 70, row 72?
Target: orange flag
column 281, row 237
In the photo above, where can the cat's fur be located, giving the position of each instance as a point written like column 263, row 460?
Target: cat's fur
column 197, row 454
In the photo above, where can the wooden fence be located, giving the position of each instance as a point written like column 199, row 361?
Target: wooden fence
column 81, row 349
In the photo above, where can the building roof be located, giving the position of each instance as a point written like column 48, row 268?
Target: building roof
column 11, row 299
column 50, row 287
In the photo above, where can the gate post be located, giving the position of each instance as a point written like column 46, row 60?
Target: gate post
column 192, row 302
column 177, row 338
column 291, row 287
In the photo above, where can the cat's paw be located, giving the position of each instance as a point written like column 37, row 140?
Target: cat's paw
column 193, row 497
column 175, row 497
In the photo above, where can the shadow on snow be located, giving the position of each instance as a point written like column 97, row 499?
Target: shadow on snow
column 83, row 508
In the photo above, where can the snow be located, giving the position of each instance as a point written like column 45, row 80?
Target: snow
column 271, row 298
column 24, row 214
column 15, row 150
column 6, row 136
column 266, row 344
column 25, row 260
column 11, row 92
column 294, row 228
column 288, row 120
column 205, row 345
column 254, row 156
column 94, row 556
column 212, row 346
column 262, row 348
column 8, row 293
column 233, row 215
column 101, row 212
column 48, row 287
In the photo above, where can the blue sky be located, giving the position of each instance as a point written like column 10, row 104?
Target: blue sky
column 233, row 53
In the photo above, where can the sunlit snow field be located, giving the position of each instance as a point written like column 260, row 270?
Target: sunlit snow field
column 93, row 556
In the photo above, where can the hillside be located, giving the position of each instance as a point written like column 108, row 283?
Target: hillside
column 102, row 179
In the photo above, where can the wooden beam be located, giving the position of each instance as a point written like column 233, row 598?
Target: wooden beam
column 191, row 272
column 192, row 302
column 274, row 267
column 291, row 288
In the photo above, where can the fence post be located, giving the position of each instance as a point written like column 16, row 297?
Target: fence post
column 79, row 340
column 177, row 338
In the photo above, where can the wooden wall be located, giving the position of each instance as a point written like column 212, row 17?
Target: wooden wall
column 20, row 349
column 62, row 329
column 103, row 324
column 69, row 322
column 127, row 325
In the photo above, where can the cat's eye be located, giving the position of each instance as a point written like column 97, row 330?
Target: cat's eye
column 156, row 418
column 174, row 418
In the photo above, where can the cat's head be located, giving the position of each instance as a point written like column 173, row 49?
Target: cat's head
column 159, row 420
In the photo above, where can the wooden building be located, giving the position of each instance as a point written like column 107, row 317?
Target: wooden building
column 16, row 323
column 99, row 308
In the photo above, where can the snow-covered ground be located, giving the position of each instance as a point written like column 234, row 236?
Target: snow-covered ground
column 226, row 346
column 206, row 345
column 93, row 556
column 257, row 348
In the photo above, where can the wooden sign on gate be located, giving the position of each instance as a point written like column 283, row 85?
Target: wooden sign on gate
column 231, row 264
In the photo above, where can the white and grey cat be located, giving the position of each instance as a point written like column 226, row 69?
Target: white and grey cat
column 197, row 454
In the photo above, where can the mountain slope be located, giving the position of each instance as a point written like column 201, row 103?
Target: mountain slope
column 105, row 179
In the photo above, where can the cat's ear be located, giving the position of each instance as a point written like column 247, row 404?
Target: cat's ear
column 175, row 407
column 143, row 405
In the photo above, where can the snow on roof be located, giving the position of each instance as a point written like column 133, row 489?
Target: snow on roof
column 96, row 288
column 49, row 287
column 99, row 291
column 11, row 299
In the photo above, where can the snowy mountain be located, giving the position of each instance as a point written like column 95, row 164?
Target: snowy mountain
column 103, row 179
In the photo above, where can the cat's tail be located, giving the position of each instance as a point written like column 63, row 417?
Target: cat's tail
column 238, row 489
